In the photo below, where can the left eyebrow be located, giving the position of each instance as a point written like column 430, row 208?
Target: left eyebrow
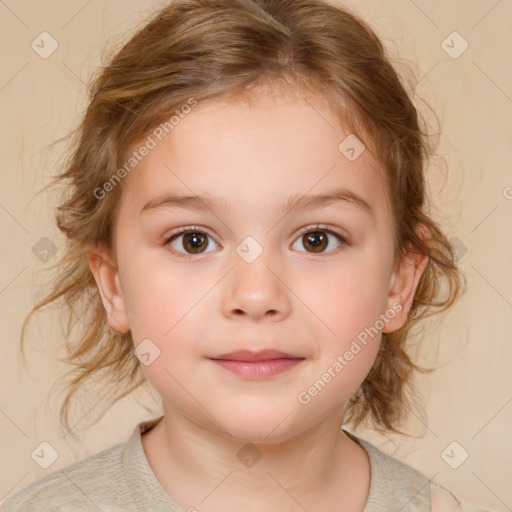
column 292, row 204
column 310, row 202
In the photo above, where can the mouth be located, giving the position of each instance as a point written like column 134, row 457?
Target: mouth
column 257, row 365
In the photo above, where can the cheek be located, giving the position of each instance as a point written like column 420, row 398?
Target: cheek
column 352, row 306
column 350, row 298
column 157, row 296
column 166, row 309
column 338, row 376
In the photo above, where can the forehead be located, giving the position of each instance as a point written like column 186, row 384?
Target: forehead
column 256, row 153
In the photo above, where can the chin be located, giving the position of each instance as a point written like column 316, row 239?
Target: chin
column 259, row 427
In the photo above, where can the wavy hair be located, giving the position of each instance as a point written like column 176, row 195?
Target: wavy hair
column 220, row 49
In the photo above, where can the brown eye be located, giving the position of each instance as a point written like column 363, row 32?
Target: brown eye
column 193, row 242
column 317, row 241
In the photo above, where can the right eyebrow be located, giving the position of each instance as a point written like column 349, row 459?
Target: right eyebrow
column 192, row 202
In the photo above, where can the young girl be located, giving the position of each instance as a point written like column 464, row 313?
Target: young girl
column 247, row 230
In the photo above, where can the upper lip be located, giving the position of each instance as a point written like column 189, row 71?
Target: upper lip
column 262, row 355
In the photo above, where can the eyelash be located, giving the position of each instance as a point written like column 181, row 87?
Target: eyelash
column 308, row 229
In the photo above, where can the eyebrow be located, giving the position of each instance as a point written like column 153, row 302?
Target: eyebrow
column 292, row 204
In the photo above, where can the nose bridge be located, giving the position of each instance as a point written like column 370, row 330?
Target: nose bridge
column 255, row 288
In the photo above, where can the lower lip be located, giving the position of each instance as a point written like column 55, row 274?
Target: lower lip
column 258, row 369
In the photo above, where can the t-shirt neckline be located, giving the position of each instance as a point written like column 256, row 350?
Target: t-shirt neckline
column 149, row 494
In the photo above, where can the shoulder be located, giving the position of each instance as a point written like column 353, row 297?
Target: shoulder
column 442, row 500
column 83, row 485
column 394, row 483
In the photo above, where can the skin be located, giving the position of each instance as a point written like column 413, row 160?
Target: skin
column 311, row 305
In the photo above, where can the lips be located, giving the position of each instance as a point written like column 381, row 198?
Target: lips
column 257, row 365
column 262, row 355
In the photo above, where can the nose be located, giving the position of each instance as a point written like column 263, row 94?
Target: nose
column 256, row 290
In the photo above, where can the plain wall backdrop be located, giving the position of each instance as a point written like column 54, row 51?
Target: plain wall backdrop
column 468, row 400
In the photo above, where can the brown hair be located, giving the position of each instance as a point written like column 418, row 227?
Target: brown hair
column 221, row 48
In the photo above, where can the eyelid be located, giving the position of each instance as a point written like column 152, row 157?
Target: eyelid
column 321, row 227
column 328, row 229
column 188, row 229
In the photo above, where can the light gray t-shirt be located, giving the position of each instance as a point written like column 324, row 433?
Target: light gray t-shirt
column 120, row 479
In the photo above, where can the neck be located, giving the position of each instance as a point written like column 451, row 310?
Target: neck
column 199, row 467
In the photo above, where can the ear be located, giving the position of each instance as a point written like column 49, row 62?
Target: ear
column 403, row 284
column 107, row 279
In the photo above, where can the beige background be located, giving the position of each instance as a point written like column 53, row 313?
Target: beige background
column 468, row 400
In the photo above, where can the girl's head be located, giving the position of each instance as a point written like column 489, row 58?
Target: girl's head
column 302, row 158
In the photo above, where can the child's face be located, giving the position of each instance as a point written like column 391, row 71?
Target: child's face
column 228, row 297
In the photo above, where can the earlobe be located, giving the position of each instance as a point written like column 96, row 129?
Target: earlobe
column 107, row 279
